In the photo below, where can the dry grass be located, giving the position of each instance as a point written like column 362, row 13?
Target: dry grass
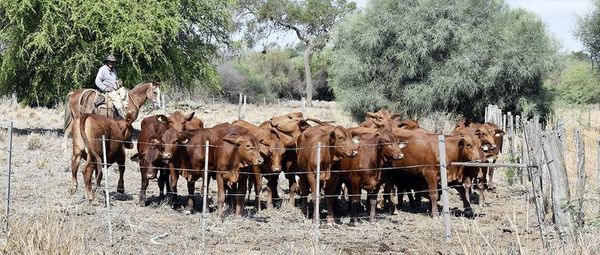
column 46, row 220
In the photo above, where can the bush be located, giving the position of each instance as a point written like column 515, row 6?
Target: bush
column 458, row 56
column 577, row 83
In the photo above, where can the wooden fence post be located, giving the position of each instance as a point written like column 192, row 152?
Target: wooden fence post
column 560, row 184
column 444, row 181
column 8, row 173
column 534, row 175
column 240, row 107
column 580, row 152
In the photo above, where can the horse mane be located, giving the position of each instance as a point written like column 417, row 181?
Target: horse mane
column 141, row 85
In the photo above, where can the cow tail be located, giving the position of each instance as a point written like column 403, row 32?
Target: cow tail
column 68, row 116
column 86, row 140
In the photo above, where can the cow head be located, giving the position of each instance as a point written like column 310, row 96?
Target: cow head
column 153, row 153
column 344, row 144
column 470, row 148
column 172, row 140
column 291, row 122
column 247, row 148
column 389, row 144
column 379, row 118
column 177, row 120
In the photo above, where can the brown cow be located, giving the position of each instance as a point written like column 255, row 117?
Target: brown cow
column 271, row 149
column 423, row 152
column 373, row 151
column 150, row 148
column 336, row 144
column 87, row 134
column 233, row 148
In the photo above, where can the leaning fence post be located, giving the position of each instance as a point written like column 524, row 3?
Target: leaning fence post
column 560, row 184
column 444, row 180
column 534, row 171
column 317, row 192
column 244, row 108
column 580, row 151
column 105, row 173
column 303, row 107
column 8, row 173
column 205, row 196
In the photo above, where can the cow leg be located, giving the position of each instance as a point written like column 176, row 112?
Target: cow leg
column 330, row 192
column 257, row 190
column 491, row 180
column 387, row 200
column 87, row 179
column 462, row 191
column 271, row 191
column 240, row 194
column 312, row 182
column 220, row 196
column 173, row 177
column 355, row 199
column 145, row 183
column 74, row 168
column 481, row 191
column 304, row 189
column 121, row 183
column 468, row 184
column 163, row 182
column 191, row 185
column 372, row 198
column 294, row 187
column 431, row 178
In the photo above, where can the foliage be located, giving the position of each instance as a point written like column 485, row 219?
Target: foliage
column 310, row 20
column 458, row 56
column 588, row 31
column 54, row 46
column 577, row 83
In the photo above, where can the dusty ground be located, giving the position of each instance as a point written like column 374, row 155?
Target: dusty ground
column 45, row 219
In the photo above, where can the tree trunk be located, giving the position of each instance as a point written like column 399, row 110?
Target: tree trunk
column 307, row 74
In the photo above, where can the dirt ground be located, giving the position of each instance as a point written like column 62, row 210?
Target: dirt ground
column 45, row 219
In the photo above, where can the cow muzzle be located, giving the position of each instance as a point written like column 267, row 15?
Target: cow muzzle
column 167, row 155
column 276, row 169
column 399, row 156
column 259, row 161
column 354, row 153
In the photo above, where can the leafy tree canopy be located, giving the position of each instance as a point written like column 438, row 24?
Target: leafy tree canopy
column 54, row 46
column 418, row 56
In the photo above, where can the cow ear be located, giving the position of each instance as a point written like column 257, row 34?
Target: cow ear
column 136, row 157
column 499, row 132
column 162, row 119
column 303, row 125
column 468, row 122
column 396, row 116
column 189, row 116
column 372, row 115
column 155, row 141
column 232, row 139
column 332, row 135
column 461, row 142
column 478, row 132
column 275, row 133
column 403, row 145
column 184, row 140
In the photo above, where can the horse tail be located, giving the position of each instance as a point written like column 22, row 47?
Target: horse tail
column 68, row 116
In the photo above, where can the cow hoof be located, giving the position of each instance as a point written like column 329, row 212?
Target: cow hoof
column 120, row 190
column 469, row 213
column 73, row 190
column 187, row 212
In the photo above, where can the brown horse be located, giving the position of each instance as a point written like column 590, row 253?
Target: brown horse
column 83, row 101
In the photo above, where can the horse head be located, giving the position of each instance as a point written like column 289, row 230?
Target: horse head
column 153, row 93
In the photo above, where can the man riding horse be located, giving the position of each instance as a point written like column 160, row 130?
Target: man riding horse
column 107, row 81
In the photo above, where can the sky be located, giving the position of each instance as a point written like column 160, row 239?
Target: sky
column 560, row 17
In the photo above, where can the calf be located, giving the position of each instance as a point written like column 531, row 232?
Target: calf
column 421, row 158
column 87, row 134
column 336, row 143
column 363, row 171
column 271, row 149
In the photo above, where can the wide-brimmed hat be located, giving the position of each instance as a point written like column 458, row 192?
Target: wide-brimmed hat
column 110, row 58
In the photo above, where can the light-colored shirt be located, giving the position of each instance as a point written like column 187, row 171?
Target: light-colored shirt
column 106, row 78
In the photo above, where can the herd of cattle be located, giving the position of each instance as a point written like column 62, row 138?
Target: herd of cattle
column 384, row 151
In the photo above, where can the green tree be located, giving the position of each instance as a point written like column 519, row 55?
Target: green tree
column 55, row 46
column 310, row 20
column 577, row 83
column 588, row 31
column 418, row 56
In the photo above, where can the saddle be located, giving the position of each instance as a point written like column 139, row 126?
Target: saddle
column 100, row 99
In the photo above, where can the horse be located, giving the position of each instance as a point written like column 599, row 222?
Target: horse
column 83, row 101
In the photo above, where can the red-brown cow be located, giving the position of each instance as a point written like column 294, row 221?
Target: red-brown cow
column 87, row 134
column 423, row 152
column 363, row 171
column 271, row 149
column 233, row 149
column 336, row 144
